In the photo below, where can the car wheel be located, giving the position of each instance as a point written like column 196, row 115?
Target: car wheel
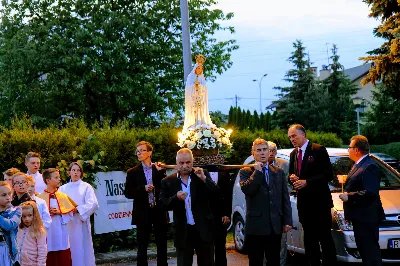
column 239, row 235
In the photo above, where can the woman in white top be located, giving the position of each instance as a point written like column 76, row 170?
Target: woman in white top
column 79, row 229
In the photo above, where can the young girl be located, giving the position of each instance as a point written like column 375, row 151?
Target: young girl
column 79, row 229
column 31, row 236
column 10, row 217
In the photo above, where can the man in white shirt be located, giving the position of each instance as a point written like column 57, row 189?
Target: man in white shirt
column 32, row 162
column 188, row 194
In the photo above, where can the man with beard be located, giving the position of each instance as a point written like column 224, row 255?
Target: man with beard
column 187, row 193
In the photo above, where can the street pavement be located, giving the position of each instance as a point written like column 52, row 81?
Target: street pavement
column 234, row 259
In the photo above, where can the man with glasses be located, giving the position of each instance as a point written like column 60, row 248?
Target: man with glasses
column 361, row 202
column 310, row 171
column 143, row 184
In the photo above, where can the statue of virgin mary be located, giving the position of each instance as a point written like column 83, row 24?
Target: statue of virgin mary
column 196, row 97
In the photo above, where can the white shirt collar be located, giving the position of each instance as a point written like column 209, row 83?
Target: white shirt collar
column 304, row 147
column 359, row 160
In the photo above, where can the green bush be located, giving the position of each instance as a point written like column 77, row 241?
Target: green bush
column 392, row 149
column 118, row 144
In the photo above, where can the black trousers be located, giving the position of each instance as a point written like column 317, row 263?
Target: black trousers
column 220, row 243
column 317, row 237
column 143, row 236
column 367, row 240
column 204, row 250
column 264, row 245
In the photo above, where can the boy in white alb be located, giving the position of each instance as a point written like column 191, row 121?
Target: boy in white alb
column 32, row 162
column 40, row 203
column 61, row 209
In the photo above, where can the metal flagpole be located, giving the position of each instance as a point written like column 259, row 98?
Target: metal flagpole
column 187, row 61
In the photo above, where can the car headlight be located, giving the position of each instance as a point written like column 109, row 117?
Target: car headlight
column 341, row 222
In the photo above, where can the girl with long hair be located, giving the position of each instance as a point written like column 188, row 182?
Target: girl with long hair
column 31, row 236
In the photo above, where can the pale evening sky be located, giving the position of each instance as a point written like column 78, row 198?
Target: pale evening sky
column 265, row 31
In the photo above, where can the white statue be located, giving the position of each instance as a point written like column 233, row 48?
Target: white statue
column 196, row 97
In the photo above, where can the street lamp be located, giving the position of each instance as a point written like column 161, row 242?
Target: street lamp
column 359, row 104
column 259, row 85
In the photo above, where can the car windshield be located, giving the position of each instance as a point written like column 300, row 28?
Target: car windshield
column 342, row 165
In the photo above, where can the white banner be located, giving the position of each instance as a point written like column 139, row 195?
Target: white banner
column 115, row 212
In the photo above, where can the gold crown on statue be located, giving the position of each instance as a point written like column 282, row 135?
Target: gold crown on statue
column 200, row 59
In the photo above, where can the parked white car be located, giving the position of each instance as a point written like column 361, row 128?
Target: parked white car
column 343, row 236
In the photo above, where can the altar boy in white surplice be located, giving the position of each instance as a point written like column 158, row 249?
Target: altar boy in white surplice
column 79, row 229
column 61, row 208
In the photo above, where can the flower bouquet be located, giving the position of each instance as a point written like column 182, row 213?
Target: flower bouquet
column 205, row 138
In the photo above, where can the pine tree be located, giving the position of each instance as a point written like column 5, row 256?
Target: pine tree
column 247, row 122
column 256, row 120
column 262, row 122
column 292, row 98
column 341, row 114
column 230, row 116
column 268, row 121
column 238, row 117
column 386, row 58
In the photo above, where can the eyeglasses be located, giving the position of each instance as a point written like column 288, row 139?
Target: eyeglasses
column 20, row 183
column 351, row 148
column 141, row 151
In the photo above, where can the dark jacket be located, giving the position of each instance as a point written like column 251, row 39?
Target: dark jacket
column 17, row 201
column 201, row 194
column 267, row 206
column 316, row 168
column 222, row 201
column 135, row 189
column 362, row 186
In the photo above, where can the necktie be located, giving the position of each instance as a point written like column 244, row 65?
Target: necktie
column 299, row 160
column 266, row 174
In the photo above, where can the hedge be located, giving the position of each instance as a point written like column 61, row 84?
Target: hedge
column 118, row 143
column 392, row 149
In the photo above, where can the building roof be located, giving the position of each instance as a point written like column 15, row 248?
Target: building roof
column 357, row 72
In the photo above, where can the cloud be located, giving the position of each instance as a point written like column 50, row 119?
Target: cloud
column 294, row 17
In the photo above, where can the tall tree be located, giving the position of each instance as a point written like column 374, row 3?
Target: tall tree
column 267, row 121
column 301, row 77
column 256, row 120
column 103, row 59
column 341, row 114
column 383, row 119
column 386, row 58
column 230, row 116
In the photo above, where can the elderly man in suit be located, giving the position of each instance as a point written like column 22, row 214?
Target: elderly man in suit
column 310, row 171
column 361, row 202
column 188, row 193
column 143, row 183
column 272, row 152
column 268, row 210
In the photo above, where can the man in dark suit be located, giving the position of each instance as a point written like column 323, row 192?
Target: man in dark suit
column 310, row 171
column 268, row 210
column 272, row 152
column 362, row 203
column 221, row 209
column 188, row 193
column 143, row 184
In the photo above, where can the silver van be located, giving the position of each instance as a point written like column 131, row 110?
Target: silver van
column 343, row 236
